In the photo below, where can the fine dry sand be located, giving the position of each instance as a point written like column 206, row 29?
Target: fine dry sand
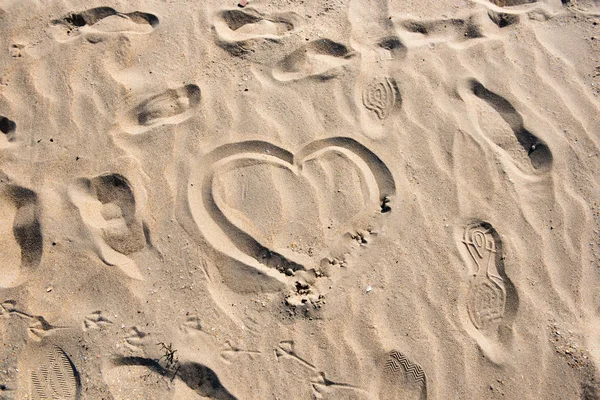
column 333, row 199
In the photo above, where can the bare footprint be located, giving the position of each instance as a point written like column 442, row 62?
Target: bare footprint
column 417, row 32
column 319, row 59
column 402, row 379
column 238, row 30
column 21, row 241
column 107, row 207
column 49, row 375
column 491, row 300
column 172, row 106
column 529, row 152
column 538, row 152
column 103, row 20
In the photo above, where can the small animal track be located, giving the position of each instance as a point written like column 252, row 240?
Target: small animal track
column 490, row 288
column 170, row 107
column 95, row 320
column 16, row 50
column 38, row 327
column 22, row 241
column 136, row 338
column 103, row 20
column 415, row 378
column 192, row 324
column 319, row 59
column 231, row 352
column 55, row 378
column 318, row 378
column 538, row 152
column 381, row 96
column 107, row 207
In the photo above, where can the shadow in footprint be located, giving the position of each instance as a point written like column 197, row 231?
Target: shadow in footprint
column 503, row 19
column 124, row 233
column 197, row 377
column 107, row 207
column 170, row 107
column 7, row 127
column 394, row 45
column 318, row 59
column 104, row 20
column 538, row 152
column 22, row 243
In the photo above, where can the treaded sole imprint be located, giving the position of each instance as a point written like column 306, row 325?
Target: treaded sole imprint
column 55, row 378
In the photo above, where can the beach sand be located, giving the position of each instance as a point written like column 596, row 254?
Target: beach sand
column 339, row 199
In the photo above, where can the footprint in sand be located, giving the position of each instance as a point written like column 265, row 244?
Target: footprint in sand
column 172, row 106
column 320, row 59
column 427, row 32
column 103, row 20
column 377, row 95
column 381, row 97
column 510, row 3
column 491, row 299
column 502, row 19
column 525, row 149
column 21, row 240
column 402, row 378
column 49, row 373
column 107, row 208
column 240, row 31
column 8, row 128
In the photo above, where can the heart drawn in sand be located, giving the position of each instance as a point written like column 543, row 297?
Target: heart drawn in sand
column 267, row 207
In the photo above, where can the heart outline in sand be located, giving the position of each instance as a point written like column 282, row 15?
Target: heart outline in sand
column 228, row 238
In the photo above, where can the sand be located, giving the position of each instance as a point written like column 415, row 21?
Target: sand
column 340, row 199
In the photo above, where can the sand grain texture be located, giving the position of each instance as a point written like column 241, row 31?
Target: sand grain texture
column 340, row 199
